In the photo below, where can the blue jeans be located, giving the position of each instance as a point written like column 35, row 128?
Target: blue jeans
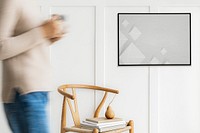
column 28, row 113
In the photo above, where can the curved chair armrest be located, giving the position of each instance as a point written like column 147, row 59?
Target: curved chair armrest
column 67, row 86
column 66, row 94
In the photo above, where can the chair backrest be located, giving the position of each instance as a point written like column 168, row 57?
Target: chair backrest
column 68, row 97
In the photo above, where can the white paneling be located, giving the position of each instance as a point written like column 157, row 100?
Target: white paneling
column 153, row 99
column 179, row 101
column 164, row 98
column 100, row 46
column 186, row 2
column 73, row 60
column 99, row 54
column 132, row 82
column 127, row 3
column 74, row 54
column 96, row 2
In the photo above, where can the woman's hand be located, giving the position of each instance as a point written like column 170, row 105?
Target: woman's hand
column 52, row 29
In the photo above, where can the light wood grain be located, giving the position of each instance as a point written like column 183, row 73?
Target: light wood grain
column 81, row 86
column 96, row 114
column 119, row 130
column 79, row 130
column 131, row 124
column 95, row 130
column 110, row 114
column 74, row 112
column 63, row 117
column 68, row 98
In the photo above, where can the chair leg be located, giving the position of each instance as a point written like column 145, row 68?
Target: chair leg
column 130, row 123
column 62, row 131
column 95, row 130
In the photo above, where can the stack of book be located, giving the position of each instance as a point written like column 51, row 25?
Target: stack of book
column 103, row 124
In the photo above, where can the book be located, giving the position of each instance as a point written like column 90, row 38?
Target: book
column 103, row 120
column 103, row 124
column 104, row 128
column 88, row 123
column 111, row 128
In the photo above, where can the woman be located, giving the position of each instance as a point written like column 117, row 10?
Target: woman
column 24, row 49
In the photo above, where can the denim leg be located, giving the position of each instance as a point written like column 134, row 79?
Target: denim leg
column 34, row 107
column 15, row 117
column 28, row 113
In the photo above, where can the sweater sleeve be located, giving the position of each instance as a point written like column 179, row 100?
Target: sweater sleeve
column 11, row 45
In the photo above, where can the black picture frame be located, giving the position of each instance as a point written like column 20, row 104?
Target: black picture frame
column 188, row 51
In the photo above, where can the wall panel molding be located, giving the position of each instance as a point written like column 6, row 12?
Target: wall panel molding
column 175, row 86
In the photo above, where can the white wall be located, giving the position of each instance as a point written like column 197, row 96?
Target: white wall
column 158, row 99
column 179, row 92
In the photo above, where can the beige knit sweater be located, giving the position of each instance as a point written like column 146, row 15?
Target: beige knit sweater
column 23, row 50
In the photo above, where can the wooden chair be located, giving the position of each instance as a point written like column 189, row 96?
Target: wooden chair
column 75, row 113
